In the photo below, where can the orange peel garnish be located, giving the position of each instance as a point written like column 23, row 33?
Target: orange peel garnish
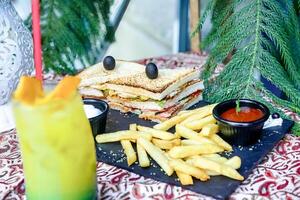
column 65, row 88
column 29, row 90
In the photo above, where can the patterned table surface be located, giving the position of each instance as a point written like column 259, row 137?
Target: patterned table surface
column 277, row 177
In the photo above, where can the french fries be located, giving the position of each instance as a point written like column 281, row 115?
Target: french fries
column 198, row 124
column 205, row 163
column 231, row 173
column 166, row 144
column 164, row 135
column 218, row 140
column 215, row 157
column 142, row 154
column 212, row 173
column 197, row 110
column 234, row 162
column 225, row 170
column 190, row 134
column 132, row 127
column 187, row 142
column 209, row 130
column 199, row 115
column 181, row 166
column 166, row 125
column 129, row 151
column 187, row 151
column 192, row 151
column 157, row 155
column 146, row 135
column 184, row 178
column 122, row 135
column 117, row 136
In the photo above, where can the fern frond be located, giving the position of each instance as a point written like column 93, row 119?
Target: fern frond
column 274, row 28
column 267, row 64
column 266, row 37
column 220, row 13
column 70, row 30
column 204, row 16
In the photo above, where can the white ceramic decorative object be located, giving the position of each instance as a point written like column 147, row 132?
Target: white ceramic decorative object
column 16, row 52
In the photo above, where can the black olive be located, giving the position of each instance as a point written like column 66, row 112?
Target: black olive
column 275, row 116
column 151, row 70
column 109, row 63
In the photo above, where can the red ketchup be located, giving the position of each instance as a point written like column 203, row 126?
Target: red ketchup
column 246, row 114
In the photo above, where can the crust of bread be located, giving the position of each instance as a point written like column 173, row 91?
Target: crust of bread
column 92, row 97
column 97, row 74
column 153, row 95
column 87, row 91
column 166, row 77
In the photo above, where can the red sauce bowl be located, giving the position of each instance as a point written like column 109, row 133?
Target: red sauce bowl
column 235, row 128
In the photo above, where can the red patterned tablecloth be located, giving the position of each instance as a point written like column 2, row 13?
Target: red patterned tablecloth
column 277, row 177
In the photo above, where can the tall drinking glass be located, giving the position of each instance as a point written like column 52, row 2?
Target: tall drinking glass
column 57, row 149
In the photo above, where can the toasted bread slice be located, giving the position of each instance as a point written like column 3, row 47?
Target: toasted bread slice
column 97, row 74
column 165, row 79
column 156, row 89
column 91, row 92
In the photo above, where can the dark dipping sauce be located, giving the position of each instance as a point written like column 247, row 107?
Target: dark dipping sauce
column 246, row 114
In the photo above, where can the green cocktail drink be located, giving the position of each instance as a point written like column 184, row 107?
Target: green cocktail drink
column 57, row 149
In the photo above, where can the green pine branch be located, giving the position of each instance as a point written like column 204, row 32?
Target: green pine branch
column 72, row 33
column 265, row 37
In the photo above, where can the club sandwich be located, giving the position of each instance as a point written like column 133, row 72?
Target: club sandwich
column 128, row 89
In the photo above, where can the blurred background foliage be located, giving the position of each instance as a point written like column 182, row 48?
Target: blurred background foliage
column 73, row 33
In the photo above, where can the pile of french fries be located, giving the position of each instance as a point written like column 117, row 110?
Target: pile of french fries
column 191, row 151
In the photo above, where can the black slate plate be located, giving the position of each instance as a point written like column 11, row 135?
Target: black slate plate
column 218, row 187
